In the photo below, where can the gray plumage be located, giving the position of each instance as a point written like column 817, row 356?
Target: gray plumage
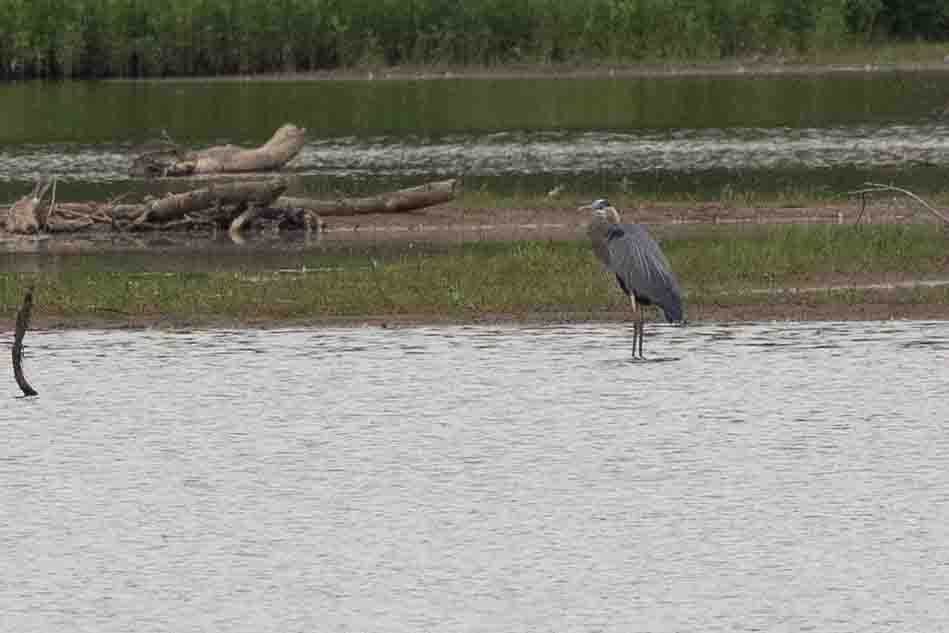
column 641, row 269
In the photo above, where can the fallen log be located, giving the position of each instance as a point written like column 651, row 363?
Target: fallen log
column 22, row 324
column 173, row 160
column 393, row 202
column 239, row 194
column 219, row 203
column 236, row 205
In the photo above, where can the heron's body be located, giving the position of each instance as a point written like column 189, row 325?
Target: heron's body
column 639, row 265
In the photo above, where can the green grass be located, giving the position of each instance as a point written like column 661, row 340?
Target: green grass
column 759, row 255
column 494, row 278
column 914, row 52
column 190, row 37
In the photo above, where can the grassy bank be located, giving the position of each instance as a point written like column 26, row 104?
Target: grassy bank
column 726, row 197
column 196, row 37
column 481, row 279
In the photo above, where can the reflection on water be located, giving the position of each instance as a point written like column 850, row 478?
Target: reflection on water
column 776, row 476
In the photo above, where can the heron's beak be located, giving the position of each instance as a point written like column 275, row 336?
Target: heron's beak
column 586, row 207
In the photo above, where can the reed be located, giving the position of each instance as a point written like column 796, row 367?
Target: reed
column 40, row 38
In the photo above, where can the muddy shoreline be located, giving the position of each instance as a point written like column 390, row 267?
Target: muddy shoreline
column 808, row 297
column 799, row 310
column 754, row 66
column 797, row 299
column 453, row 223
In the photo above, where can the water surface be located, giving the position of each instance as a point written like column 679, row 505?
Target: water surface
column 652, row 135
column 766, row 477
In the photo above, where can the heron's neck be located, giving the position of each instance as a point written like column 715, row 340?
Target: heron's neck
column 600, row 224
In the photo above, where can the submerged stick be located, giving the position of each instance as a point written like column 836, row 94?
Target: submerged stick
column 22, row 324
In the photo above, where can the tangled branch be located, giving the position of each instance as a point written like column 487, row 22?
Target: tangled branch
column 872, row 187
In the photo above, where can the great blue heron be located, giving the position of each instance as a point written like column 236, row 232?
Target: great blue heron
column 641, row 269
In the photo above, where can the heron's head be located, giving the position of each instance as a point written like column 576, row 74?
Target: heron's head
column 602, row 211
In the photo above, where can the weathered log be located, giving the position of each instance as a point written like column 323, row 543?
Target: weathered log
column 28, row 214
column 236, row 205
column 22, row 324
column 393, row 202
column 172, row 160
column 220, row 203
column 239, row 193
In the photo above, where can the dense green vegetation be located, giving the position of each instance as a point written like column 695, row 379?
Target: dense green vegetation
column 484, row 279
column 189, row 37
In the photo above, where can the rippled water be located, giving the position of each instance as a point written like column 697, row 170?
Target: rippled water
column 766, row 477
column 695, row 135
column 551, row 153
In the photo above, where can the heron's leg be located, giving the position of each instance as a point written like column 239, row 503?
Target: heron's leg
column 637, row 332
column 642, row 332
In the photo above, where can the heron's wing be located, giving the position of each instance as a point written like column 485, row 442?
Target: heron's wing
column 637, row 259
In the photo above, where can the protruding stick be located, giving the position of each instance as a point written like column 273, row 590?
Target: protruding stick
column 22, row 324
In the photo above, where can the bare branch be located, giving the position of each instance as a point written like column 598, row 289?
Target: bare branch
column 22, row 324
column 52, row 202
column 872, row 187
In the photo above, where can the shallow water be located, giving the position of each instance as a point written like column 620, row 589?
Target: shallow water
column 766, row 476
column 551, row 153
column 658, row 135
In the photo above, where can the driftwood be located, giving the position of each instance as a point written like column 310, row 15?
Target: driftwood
column 170, row 159
column 29, row 213
column 22, row 324
column 394, row 202
column 235, row 206
column 219, row 195
column 215, row 205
